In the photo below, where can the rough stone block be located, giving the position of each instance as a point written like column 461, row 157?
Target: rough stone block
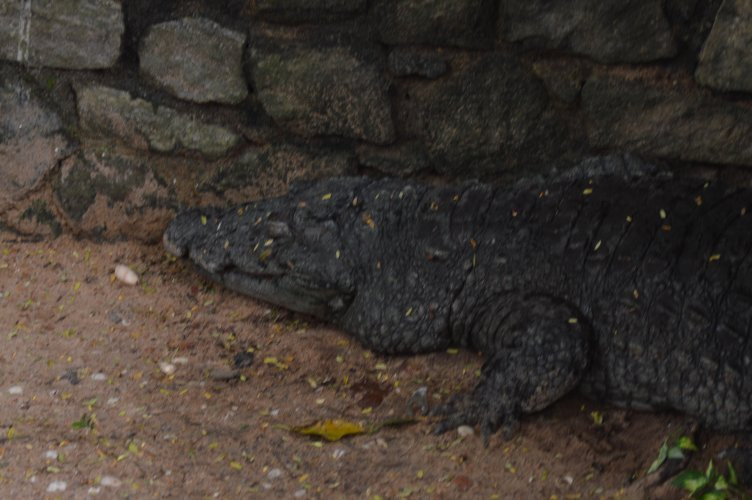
column 607, row 30
column 680, row 123
column 326, row 90
column 269, row 170
column 489, row 115
column 406, row 62
column 314, row 11
column 726, row 58
column 70, row 34
column 563, row 78
column 195, row 59
column 105, row 193
column 460, row 23
column 104, row 111
column 32, row 141
column 400, row 160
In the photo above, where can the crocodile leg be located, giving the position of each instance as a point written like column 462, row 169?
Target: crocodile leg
column 538, row 351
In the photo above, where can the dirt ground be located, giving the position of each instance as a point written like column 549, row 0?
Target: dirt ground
column 112, row 390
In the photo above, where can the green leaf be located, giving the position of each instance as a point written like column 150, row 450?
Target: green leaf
column 675, row 453
column 732, row 479
column 686, row 443
column 84, row 423
column 662, row 454
column 690, row 480
column 713, row 495
column 721, row 483
column 710, row 471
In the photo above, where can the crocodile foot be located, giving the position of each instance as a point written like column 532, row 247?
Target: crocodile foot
column 484, row 408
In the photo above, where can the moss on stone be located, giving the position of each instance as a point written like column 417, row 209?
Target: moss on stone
column 41, row 214
column 77, row 191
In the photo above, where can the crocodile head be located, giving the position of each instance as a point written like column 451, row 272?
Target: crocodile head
column 276, row 250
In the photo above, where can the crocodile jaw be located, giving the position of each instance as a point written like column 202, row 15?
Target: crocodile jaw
column 284, row 292
column 194, row 235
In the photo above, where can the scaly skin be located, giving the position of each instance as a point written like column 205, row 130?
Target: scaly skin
column 634, row 287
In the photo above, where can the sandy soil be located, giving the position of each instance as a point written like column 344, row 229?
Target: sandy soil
column 132, row 391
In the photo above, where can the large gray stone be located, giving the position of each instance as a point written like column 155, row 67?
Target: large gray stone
column 104, row 111
column 461, row 23
column 671, row 122
column 70, row 34
column 268, row 170
column 106, row 193
column 195, row 59
column 32, row 140
column 410, row 62
column 296, row 11
column 488, row 116
column 606, row 30
column 328, row 90
column 726, row 58
column 563, row 78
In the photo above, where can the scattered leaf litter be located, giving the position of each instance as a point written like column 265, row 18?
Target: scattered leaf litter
column 135, row 418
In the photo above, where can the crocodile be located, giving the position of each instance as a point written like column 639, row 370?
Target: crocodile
column 628, row 284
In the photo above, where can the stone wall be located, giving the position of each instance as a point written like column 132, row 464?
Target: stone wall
column 115, row 113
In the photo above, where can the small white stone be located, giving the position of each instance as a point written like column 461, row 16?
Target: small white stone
column 50, row 454
column 110, row 481
column 338, row 453
column 98, row 376
column 465, row 431
column 180, row 360
column 126, row 275
column 274, row 413
column 16, row 389
column 167, row 368
column 56, row 486
column 274, row 474
column 300, row 493
column 568, row 479
column 94, row 490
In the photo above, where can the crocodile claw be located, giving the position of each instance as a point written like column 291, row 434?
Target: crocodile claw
column 474, row 410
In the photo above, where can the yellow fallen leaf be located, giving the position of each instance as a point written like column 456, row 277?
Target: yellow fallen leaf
column 368, row 220
column 331, row 430
column 597, row 417
column 236, row 465
column 275, row 362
